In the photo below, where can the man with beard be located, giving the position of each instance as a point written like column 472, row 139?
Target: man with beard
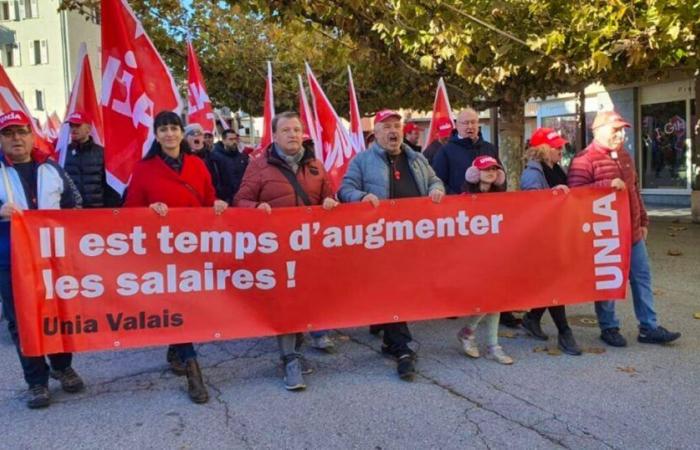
column 230, row 164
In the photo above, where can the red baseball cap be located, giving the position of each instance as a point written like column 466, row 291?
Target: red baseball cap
column 384, row 114
column 77, row 118
column 14, row 118
column 444, row 127
column 484, row 162
column 609, row 118
column 409, row 127
column 547, row 136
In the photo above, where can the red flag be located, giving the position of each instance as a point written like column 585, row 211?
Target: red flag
column 334, row 137
column 136, row 85
column 10, row 100
column 55, row 122
column 83, row 103
column 199, row 108
column 269, row 113
column 222, row 122
column 308, row 121
column 357, row 138
column 442, row 114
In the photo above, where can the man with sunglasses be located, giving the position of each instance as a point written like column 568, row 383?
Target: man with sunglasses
column 29, row 180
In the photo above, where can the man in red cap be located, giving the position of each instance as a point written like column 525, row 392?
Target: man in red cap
column 605, row 163
column 411, row 134
column 30, row 181
column 85, row 164
column 444, row 131
column 390, row 169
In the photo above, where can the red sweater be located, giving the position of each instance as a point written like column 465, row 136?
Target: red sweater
column 154, row 181
column 594, row 166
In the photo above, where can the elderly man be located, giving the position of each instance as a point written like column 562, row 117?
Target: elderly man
column 605, row 163
column 31, row 182
column 286, row 175
column 456, row 156
column 411, row 134
column 229, row 164
column 85, row 164
column 389, row 169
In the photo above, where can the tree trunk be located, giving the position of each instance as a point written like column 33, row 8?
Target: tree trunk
column 511, row 127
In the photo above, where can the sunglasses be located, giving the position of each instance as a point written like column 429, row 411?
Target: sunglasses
column 8, row 133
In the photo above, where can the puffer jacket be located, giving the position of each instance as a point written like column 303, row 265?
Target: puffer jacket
column 454, row 158
column 263, row 182
column 533, row 177
column 368, row 173
column 85, row 164
column 594, row 166
column 229, row 167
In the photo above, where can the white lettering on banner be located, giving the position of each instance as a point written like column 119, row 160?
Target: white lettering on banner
column 116, row 75
column 199, row 96
column 607, row 259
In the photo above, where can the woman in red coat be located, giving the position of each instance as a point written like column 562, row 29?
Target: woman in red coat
column 168, row 176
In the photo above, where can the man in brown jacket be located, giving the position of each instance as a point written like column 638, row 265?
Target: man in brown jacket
column 286, row 175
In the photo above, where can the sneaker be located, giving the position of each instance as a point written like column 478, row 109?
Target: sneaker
column 406, row 366
column 323, row 343
column 496, row 353
column 534, row 328
column 509, row 320
column 293, row 379
column 567, row 343
column 39, row 397
column 612, row 337
column 658, row 335
column 70, row 380
column 396, row 354
column 469, row 347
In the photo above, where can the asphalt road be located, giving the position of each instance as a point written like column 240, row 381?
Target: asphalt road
column 642, row 396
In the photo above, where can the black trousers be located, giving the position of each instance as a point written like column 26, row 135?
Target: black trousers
column 396, row 337
column 558, row 314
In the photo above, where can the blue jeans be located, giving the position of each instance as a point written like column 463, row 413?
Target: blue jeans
column 36, row 371
column 642, row 295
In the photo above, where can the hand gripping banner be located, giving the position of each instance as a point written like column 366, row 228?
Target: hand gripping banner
column 99, row 279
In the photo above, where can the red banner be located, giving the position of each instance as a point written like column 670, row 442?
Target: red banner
column 90, row 280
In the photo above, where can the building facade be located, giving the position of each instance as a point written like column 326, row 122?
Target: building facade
column 39, row 49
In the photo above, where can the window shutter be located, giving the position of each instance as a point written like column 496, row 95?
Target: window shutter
column 32, row 53
column 16, row 55
column 44, row 52
column 19, row 10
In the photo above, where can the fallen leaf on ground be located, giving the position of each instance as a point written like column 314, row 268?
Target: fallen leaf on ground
column 553, row 351
column 674, row 252
column 539, row 349
column 657, row 292
column 672, row 234
column 507, row 334
column 697, row 315
column 677, row 228
column 343, row 338
column 594, row 350
column 627, row 369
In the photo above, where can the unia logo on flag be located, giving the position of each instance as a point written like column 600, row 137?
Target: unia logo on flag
column 607, row 261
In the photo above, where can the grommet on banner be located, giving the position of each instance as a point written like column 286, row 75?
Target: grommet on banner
column 217, row 335
column 477, row 309
column 308, row 210
column 115, row 211
column 117, row 343
column 393, row 203
column 396, row 318
column 555, row 191
column 309, row 326
column 555, row 301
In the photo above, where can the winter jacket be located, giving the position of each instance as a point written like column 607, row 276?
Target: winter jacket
column 263, row 182
column 154, row 181
column 533, row 177
column 414, row 147
column 432, row 149
column 85, row 164
column 229, row 167
column 54, row 190
column 368, row 173
column 455, row 157
column 595, row 166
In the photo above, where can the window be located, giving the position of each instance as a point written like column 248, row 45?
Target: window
column 39, row 100
column 7, row 11
column 95, row 15
column 567, row 127
column 11, row 55
column 31, row 8
column 665, row 145
column 39, row 52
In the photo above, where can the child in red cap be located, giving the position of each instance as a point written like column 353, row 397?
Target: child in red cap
column 484, row 175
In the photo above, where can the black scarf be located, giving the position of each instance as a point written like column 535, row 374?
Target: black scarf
column 554, row 175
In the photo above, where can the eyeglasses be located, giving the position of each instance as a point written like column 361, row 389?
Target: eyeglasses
column 11, row 132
